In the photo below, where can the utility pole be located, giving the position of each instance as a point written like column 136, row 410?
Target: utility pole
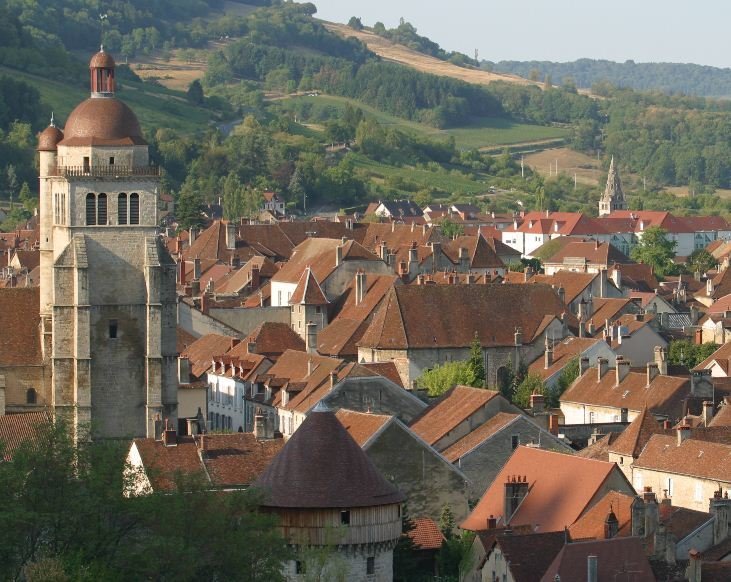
column 574, row 180
column 522, row 169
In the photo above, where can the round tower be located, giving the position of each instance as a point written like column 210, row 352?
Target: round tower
column 328, row 495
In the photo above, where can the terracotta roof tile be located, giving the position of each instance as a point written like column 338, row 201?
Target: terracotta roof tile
column 664, row 395
column 599, row 451
column 614, row 557
column 183, row 339
column 573, row 284
column 530, row 554
column 428, row 316
column 634, row 438
column 386, row 369
column 556, row 498
column 478, row 436
column 451, row 409
column 593, row 252
column 591, row 523
column 308, row 290
column 709, row 460
column 362, row 425
column 273, row 339
column 321, row 466
column 426, row 534
column 20, row 337
column 201, row 351
column 481, row 254
column 16, row 429
column 563, row 352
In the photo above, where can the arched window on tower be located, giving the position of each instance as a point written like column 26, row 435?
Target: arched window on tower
column 90, row 209
column 122, row 208
column 101, row 209
column 31, row 397
column 134, row 208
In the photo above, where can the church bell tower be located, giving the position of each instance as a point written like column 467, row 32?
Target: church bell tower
column 108, row 302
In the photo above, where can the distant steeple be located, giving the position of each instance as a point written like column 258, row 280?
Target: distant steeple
column 613, row 197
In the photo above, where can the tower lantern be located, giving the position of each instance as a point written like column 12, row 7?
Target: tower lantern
column 101, row 68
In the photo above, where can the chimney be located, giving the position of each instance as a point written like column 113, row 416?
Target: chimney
column 707, row 412
column 701, row 385
column 192, row 234
column 333, row 379
column 311, row 338
column 383, row 251
column 491, row 522
column 518, row 337
column 590, row 328
column 255, row 277
column 561, row 294
column 548, row 355
column 183, row 370
column 2, row 395
column 582, row 328
column 205, row 298
column 360, row 286
column 527, row 274
column 413, row 254
column 436, row 253
column 693, row 573
column 181, row 271
column 661, row 359
column 338, row 255
column 720, row 509
column 195, row 288
column 592, row 569
column 638, row 517
column 196, row 269
column 169, row 436
column 516, row 488
column 601, row 367
column 709, row 286
column 260, row 425
column 537, row 403
column 553, row 424
column 349, row 223
column 652, row 512
column 230, row 236
column 464, row 259
column 652, row 371
column 603, row 283
column 683, row 431
column 583, row 365
column 203, row 445
column 251, row 347
column 622, row 369
column 617, row 277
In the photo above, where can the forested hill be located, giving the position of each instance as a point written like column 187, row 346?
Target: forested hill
column 683, row 78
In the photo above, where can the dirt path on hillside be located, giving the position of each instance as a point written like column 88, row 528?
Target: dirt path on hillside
column 421, row 62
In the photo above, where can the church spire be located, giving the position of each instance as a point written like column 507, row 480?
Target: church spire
column 613, row 197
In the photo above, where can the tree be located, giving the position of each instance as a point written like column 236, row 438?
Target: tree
column 442, row 377
column 477, row 361
column 569, row 373
column 355, row 23
column 189, row 206
column 64, row 516
column 447, row 523
column 194, row 94
column 655, row 249
column 451, row 229
column 689, row 354
column 531, row 384
column 29, row 203
column 701, row 261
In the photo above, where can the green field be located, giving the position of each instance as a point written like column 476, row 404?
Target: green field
column 155, row 106
column 482, row 133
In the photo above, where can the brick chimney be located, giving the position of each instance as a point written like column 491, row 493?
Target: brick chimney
column 602, row 364
column 516, row 488
column 255, row 277
column 491, row 522
column 537, row 403
column 652, row 371
column 553, row 424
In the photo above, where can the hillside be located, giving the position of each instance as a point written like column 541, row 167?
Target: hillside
column 397, row 53
column 689, row 79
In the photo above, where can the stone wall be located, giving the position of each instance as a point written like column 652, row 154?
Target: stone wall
column 199, row 324
column 19, row 379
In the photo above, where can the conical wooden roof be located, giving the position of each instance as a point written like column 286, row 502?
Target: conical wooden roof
column 321, row 466
column 308, row 290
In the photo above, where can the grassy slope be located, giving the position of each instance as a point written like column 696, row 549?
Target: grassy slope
column 155, row 106
column 482, row 133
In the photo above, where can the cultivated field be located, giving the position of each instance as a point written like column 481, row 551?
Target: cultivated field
column 421, row 62
column 588, row 170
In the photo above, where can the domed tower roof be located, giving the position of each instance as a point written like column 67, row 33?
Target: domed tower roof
column 49, row 138
column 102, row 119
column 322, row 467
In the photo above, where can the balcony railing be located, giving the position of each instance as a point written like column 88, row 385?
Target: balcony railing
column 106, row 171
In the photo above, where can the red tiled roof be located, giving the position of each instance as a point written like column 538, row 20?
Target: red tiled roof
column 322, row 466
column 429, row 316
column 183, row 339
column 563, row 352
column 692, row 457
column 386, row 369
column 308, row 290
column 16, row 429
column 479, row 436
column 617, row 559
column 426, row 534
column 528, row 555
column 362, row 425
column 599, row 451
column 591, row 524
column 201, row 351
column 593, row 252
column 556, row 498
column 634, row 438
column 481, row 254
column 20, row 320
column 664, row 395
column 452, row 408
column 273, row 339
